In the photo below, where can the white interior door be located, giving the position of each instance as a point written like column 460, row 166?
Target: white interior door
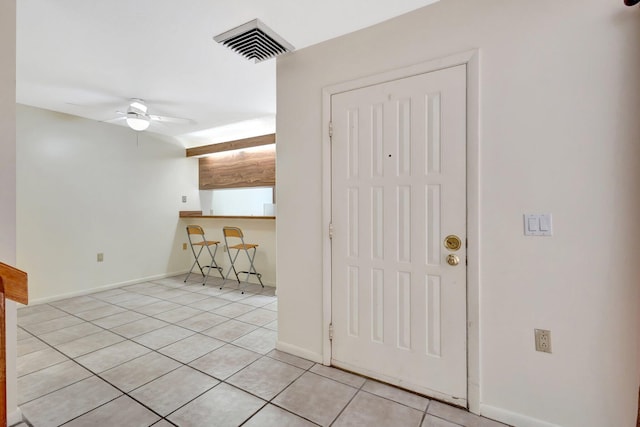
column 398, row 190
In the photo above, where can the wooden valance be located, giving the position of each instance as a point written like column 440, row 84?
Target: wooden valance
column 238, row 144
column 238, row 169
column 233, row 167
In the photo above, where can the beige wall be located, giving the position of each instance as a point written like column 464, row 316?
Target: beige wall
column 8, row 182
column 559, row 133
column 86, row 187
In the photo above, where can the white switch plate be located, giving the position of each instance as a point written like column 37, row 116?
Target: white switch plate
column 538, row 225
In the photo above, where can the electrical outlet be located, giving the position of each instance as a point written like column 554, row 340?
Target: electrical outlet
column 100, row 257
column 184, row 246
column 543, row 340
column 184, row 199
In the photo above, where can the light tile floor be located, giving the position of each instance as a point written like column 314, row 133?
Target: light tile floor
column 166, row 353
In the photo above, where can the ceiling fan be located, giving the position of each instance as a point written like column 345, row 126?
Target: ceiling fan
column 138, row 118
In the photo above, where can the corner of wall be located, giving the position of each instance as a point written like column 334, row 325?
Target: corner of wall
column 8, row 182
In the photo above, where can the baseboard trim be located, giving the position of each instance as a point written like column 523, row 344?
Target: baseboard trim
column 105, row 287
column 300, row 352
column 512, row 418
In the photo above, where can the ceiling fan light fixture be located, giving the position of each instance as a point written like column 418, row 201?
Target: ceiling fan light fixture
column 139, row 105
column 138, row 122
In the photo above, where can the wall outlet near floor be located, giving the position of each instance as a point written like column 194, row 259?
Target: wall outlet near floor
column 100, row 257
column 543, row 340
column 184, row 246
column 184, row 199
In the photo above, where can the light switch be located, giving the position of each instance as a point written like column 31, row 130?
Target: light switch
column 537, row 225
column 545, row 222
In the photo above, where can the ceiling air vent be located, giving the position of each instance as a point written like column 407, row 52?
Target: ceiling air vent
column 254, row 40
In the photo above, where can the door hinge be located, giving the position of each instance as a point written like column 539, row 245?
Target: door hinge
column 330, row 129
column 330, row 331
column 330, row 231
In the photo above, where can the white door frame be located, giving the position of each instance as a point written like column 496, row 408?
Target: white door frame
column 472, row 61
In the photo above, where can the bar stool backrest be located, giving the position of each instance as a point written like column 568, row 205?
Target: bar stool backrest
column 195, row 229
column 232, row 232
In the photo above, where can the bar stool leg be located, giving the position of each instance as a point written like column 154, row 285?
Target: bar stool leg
column 194, row 262
column 213, row 265
column 233, row 266
column 252, row 269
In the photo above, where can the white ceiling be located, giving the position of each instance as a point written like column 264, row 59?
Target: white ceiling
column 87, row 58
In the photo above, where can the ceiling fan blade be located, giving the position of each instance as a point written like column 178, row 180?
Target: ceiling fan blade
column 121, row 116
column 165, row 119
column 115, row 119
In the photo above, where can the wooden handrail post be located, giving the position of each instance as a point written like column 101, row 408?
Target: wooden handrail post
column 3, row 362
column 13, row 285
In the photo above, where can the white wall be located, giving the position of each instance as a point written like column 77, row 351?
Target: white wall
column 259, row 231
column 560, row 95
column 86, row 187
column 8, row 183
column 248, row 201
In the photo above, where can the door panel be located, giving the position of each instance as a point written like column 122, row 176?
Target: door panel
column 398, row 189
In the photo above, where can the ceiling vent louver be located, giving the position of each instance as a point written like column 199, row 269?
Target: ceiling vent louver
column 254, row 40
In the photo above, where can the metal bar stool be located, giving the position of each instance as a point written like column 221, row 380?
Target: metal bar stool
column 231, row 233
column 195, row 233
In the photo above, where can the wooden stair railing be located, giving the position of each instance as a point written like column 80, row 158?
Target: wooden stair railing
column 13, row 285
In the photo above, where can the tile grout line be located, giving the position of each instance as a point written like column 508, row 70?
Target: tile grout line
column 38, row 337
column 95, row 374
column 181, row 364
column 289, row 385
column 270, row 401
column 147, row 316
column 123, row 393
column 92, row 409
column 350, row 400
column 64, row 307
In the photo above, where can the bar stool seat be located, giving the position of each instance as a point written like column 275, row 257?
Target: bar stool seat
column 196, row 236
column 235, row 234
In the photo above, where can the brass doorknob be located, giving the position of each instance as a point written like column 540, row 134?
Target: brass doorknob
column 453, row 259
